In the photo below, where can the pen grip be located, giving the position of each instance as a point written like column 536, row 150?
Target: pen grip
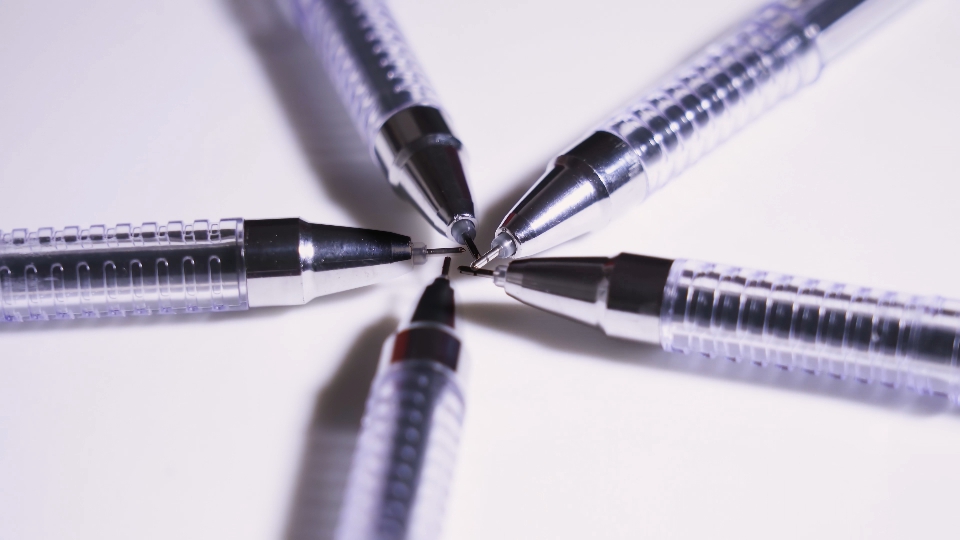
column 403, row 463
column 366, row 57
column 723, row 88
column 815, row 326
column 123, row 270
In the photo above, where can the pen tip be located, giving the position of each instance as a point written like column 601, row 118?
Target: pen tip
column 471, row 246
column 487, row 257
column 444, row 251
column 471, row 271
column 446, row 267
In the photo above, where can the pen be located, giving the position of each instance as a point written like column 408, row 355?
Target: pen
column 402, row 466
column 793, row 323
column 782, row 48
column 228, row 265
column 394, row 108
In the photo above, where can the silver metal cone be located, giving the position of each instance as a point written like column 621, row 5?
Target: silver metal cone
column 290, row 261
column 587, row 186
column 422, row 161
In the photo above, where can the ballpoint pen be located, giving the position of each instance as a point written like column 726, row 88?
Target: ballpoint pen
column 394, row 108
column 228, row 265
column 694, row 307
column 402, row 466
column 782, row 48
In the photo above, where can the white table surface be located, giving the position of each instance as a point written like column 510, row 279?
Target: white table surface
column 240, row 425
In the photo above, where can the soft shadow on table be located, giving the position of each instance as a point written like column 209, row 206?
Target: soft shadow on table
column 326, row 134
column 560, row 334
column 331, row 438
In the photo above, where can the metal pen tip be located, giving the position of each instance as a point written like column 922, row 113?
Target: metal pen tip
column 471, row 246
column 479, row 272
column 445, row 271
column 444, row 251
column 487, row 257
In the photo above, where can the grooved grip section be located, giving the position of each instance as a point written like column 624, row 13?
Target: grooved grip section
column 815, row 326
column 363, row 51
column 100, row 271
column 725, row 86
column 405, row 455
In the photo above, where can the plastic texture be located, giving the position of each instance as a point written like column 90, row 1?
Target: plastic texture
column 405, row 455
column 373, row 69
column 123, row 270
column 727, row 85
column 815, row 326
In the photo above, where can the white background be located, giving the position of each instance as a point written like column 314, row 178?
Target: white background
column 239, row 425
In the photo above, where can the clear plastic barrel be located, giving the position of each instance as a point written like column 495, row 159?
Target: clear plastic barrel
column 405, row 455
column 726, row 86
column 779, row 50
column 815, row 326
column 373, row 69
column 124, row 270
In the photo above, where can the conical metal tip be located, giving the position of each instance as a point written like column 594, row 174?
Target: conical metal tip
column 471, row 246
column 445, row 271
column 444, row 251
column 487, row 258
column 479, row 272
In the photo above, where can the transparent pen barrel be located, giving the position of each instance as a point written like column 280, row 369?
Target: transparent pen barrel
column 405, row 455
column 815, row 326
column 373, row 69
column 723, row 88
column 123, row 270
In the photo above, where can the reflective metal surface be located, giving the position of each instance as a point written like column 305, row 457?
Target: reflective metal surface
column 422, row 160
column 587, row 186
column 635, row 298
column 393, row 106
column 622, row 295
column 575, row 288
column 290, row 261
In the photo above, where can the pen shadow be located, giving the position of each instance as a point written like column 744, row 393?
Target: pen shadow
column 558, row 333
column 335, row 151
column 331, row 438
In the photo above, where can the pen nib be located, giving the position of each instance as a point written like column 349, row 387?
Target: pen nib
column 444, row 251
column 479, row 272
column 487, row 257
column 471, row 246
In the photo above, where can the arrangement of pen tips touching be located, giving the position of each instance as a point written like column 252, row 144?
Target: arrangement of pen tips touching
column 403, row 461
